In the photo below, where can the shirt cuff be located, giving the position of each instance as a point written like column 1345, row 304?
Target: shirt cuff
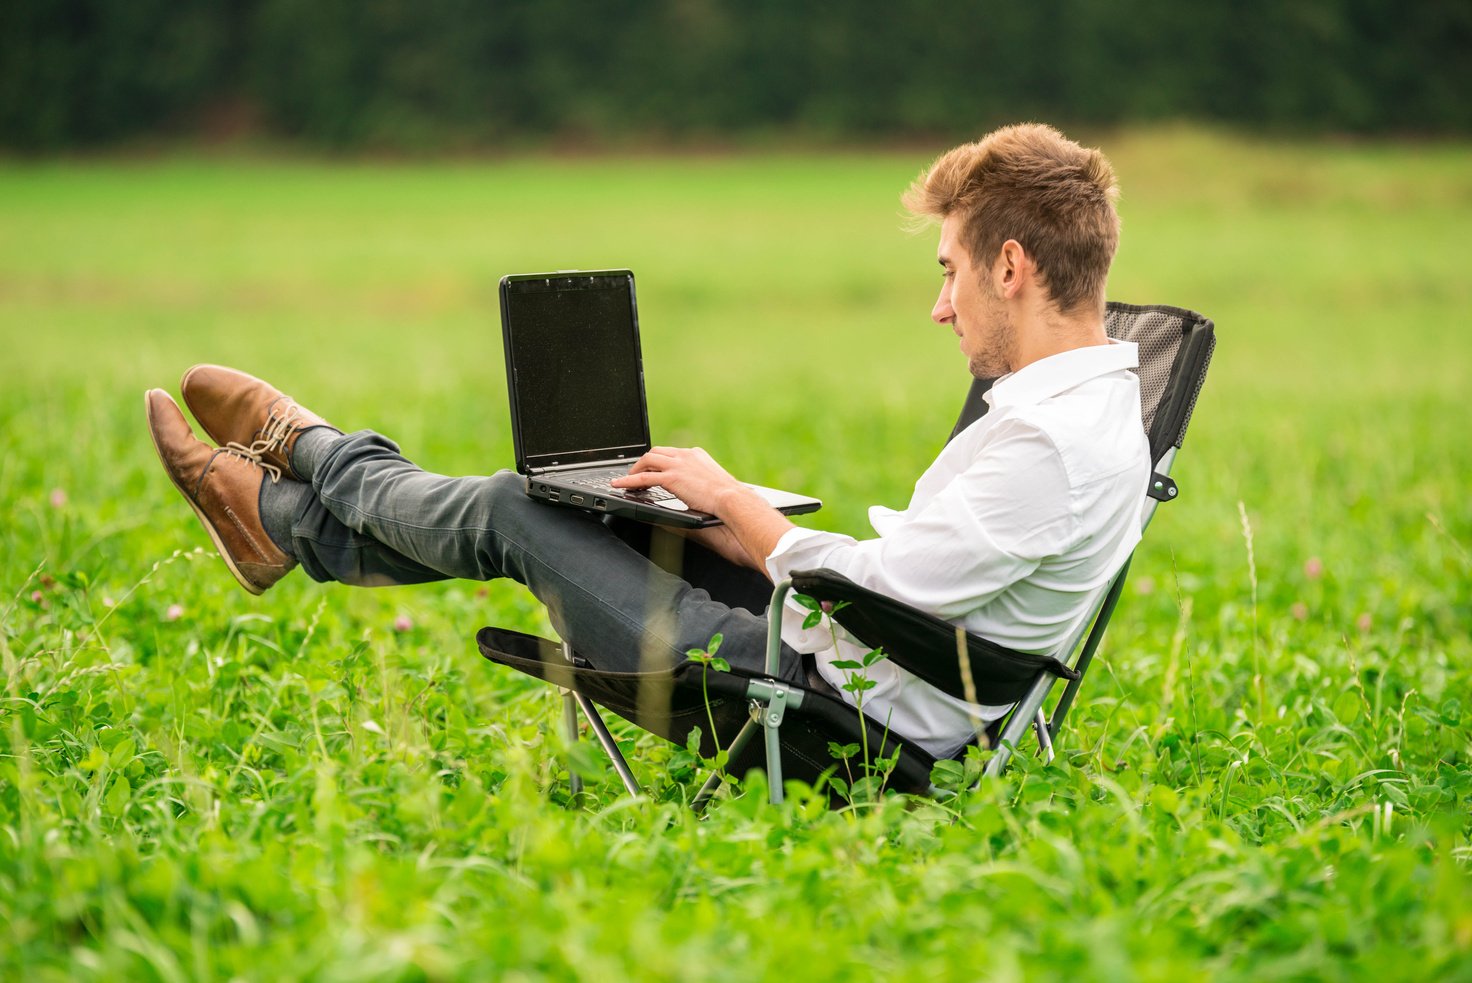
column 799, row 549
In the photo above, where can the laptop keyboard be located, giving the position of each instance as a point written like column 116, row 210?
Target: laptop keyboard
column 599, row 481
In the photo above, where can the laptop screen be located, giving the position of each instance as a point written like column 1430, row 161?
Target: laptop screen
column 573, row 368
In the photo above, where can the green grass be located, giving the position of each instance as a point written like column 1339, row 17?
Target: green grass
column 1268, row 776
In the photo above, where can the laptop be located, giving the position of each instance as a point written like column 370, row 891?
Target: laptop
column 575, row 376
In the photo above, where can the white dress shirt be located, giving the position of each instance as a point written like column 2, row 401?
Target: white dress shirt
column 1012, row 533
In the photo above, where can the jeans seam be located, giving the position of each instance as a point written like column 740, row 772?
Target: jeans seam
column 330, row 544
column 361, row 514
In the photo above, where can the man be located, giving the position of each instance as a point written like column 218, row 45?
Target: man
column 1010, row 532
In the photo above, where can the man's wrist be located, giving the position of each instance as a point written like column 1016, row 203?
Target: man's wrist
column 730, row 499
column 752, row 522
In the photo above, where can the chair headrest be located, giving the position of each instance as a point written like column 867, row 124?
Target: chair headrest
column 1175, row 350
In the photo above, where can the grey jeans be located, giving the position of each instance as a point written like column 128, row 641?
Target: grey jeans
column 628, row 597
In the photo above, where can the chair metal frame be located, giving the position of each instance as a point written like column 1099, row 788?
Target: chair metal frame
column 771, row 698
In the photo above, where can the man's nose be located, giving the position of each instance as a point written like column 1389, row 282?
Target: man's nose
column 942, row 313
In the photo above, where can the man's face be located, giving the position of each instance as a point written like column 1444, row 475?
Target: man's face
column 970, row 304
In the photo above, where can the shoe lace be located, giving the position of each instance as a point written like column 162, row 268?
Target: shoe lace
column 252, row 455
column 280, row 424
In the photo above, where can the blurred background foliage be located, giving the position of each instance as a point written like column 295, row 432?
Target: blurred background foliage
column 437, row 75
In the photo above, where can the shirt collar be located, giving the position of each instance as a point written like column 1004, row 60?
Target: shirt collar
column 1052, row 375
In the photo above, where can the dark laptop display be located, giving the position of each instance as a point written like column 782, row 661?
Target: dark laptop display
column 576, row 381
column 577, row 389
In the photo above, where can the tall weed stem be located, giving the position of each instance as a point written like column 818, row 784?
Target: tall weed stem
column 1257, row 680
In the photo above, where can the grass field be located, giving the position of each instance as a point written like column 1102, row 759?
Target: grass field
column 1269, row 775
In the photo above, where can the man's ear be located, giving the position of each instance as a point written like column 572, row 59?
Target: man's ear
column 1012, row 267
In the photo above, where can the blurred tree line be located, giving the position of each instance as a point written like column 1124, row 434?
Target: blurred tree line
column 436, row 74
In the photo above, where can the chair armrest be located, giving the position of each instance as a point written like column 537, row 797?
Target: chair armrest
column 925, row 645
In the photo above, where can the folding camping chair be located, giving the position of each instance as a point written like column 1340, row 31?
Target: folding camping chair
column 800, row 723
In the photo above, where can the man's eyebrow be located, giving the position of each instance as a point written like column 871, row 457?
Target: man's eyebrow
column 943, row 260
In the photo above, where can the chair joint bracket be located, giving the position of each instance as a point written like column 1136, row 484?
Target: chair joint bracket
column 770, row 700
column 1162, row 487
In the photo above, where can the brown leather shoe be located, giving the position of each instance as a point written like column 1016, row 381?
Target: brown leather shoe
column 224, row 489
column 246, row 414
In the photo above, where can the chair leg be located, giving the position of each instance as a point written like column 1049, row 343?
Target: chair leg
column 1024, row 716
column 572, row 702
column 570, row 729
column 773, row 734
column 1090, row 646
column 610, row 746
column 1045, row 737
column 708, row 790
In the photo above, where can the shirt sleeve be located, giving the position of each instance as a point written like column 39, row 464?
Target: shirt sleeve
column 988, row 528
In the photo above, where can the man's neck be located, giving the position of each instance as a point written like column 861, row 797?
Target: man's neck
column 1044, row 332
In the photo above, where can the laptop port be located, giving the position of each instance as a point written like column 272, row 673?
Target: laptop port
column 575, row 499
column 599, row 503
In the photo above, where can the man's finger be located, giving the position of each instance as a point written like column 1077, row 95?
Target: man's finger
column 652, row 461
column 644, row 479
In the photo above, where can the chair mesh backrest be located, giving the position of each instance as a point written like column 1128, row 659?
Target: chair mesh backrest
column 1175, row 350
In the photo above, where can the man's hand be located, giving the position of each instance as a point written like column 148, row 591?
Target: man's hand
column 689, row 473
column 694, row 477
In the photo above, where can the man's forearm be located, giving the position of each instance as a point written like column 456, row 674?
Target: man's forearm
column 753, row 524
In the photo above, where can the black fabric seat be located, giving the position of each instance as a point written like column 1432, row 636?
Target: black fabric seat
column 925, row 645
column 805, row 737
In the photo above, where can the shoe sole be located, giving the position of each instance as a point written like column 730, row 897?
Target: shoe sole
column 209, row 526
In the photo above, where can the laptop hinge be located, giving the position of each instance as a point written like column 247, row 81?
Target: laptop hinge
column 614, row 462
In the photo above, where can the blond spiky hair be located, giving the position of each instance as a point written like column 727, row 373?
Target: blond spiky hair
column 1030, row 183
